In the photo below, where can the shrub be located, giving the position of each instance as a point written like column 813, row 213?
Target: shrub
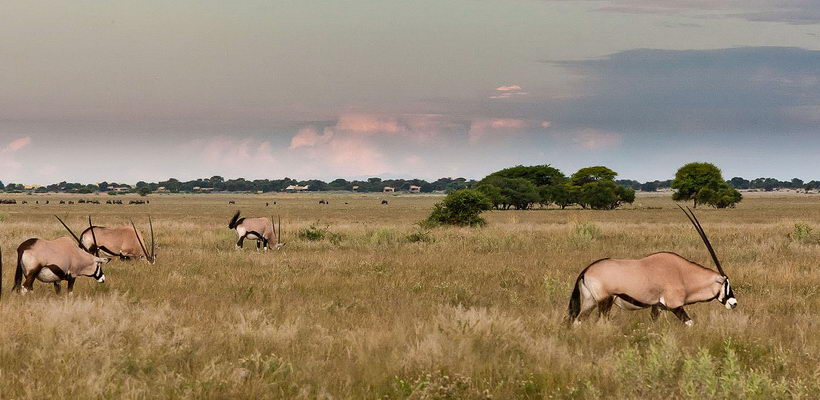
column 803, row 233
column 461, row 207
column 312, row 233
column 420, row 237
column 585, row 232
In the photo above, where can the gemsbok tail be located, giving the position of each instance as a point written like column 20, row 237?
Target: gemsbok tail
column 18, row 273
column 574, row 307
column 235, row 218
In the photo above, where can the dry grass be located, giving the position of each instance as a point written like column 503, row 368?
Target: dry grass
column 373, row 311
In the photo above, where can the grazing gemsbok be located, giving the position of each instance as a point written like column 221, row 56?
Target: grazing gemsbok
column 662, row 281
column 52, row 261
column 123, row 241
column 259, row 229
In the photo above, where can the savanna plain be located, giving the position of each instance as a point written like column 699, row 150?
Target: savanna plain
column 363, row 303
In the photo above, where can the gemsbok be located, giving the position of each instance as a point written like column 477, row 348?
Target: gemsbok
column 260, row 229
column 53, row 261
column 662, row 281
column 123, row 241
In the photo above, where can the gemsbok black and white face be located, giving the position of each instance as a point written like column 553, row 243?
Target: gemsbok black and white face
column 727, row 296
column 98, row 274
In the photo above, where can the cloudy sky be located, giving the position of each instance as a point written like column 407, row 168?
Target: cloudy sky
column 148, row 89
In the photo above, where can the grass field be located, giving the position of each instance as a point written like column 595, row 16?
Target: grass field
column 378, row 308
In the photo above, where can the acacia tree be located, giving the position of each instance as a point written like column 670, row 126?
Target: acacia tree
column 460, row 207
column 703, row 183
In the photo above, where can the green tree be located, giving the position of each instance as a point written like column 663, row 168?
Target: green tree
column 592, row 174
column 539, row 175
column 519, row 193
column 144, row 191
column 562, row 195
column 703, row 183
column 604, row 195
column 460, row 207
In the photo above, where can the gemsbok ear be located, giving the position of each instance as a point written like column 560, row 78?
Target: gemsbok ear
column 102, row 260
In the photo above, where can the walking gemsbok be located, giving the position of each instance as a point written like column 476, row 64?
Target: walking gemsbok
column 53, row 261
column 259, row 229
column 662, row 281
column 123, row 241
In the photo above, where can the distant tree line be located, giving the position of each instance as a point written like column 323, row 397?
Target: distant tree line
column 559, row 195
column 220, row 184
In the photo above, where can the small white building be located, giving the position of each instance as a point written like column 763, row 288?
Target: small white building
column 414, row 189
column 297, row 188
column 389, row 189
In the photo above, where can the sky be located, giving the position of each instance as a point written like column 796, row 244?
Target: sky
column 130, row 90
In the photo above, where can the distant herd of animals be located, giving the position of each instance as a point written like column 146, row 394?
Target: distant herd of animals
column 662, row 281
column 80, row 201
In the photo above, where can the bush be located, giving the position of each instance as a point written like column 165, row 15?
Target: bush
column 803, row 233
column 312, row 233
column 420, row 237
column 585, row 232
column 461, row 207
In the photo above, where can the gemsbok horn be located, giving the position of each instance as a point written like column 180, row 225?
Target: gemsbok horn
column 260, row 229
column 53, row 261
column 124, row 241
column 662, row 281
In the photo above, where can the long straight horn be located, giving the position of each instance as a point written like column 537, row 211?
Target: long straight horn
column 79, row 242
column 93, row 236
column 142, row 246
column 153, row 242
column 702, row 233
column 273, row 224
column 279, row 235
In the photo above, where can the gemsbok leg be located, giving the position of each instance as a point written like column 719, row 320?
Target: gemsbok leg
column 241, row 242
column 683, row 316
column 655, row 313
column 28, row 285
column 70, row 285
column 605, row 305
column 57, row 288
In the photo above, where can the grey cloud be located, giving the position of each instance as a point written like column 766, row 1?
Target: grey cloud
column 736, row 89
column 788, row 11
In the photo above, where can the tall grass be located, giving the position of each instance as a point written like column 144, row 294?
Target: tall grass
column 377, row 308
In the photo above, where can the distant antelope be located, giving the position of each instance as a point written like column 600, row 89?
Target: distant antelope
column 384, row 202
column 52, row 261
column 259, row 229
column 123, row 241
column 662, row 281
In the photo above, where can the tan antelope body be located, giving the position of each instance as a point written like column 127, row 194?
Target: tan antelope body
column 259, row 229
column 122, row 241
column 662, row 281
column 52, row 261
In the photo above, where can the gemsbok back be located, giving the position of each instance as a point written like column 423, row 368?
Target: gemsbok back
column 662, row 281
column 124, row 241
column 53, row 261
column 260, row 229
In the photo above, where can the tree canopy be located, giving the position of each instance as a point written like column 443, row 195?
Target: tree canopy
column 703, row 183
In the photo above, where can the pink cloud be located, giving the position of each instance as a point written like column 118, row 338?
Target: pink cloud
column 308, row 137
column 509, row 88
column 485, row 127
column 508, row 91
column 368, row 124
column 546, row 124
column 17, row 144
